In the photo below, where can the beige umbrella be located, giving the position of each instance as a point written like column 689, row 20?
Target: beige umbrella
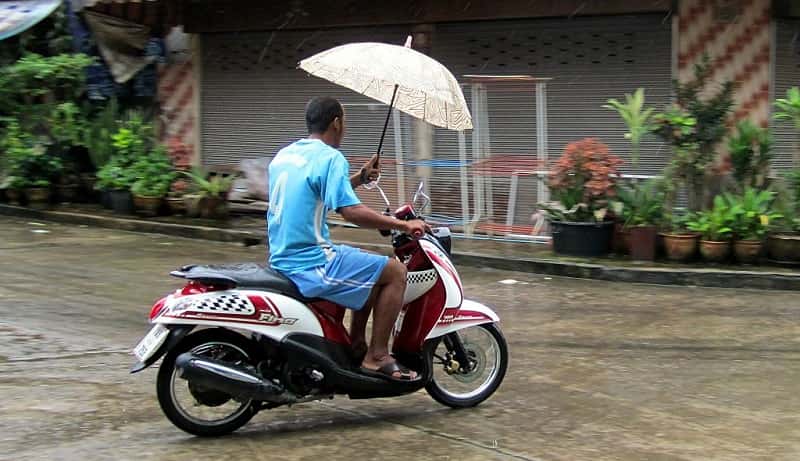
column 398, row 76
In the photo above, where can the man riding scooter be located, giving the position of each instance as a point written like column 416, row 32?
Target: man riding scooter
column 307, row 179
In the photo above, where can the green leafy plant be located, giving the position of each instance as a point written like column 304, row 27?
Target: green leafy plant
column 694, row 126
column 97, row 137
column 714, row 224
column 636, row 118
column 66, row 125
column 752, row 213
column 210, row 186
column 61, row 76
column 750, row 154
column 582, row 182
column 640, row 205
column 789, row 109
column 153, row 174
column 113, row 176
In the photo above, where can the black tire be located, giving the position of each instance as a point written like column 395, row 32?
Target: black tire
column 445, row 398
column 164, row 383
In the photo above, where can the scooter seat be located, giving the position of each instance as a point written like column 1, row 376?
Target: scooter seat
column 241, row 275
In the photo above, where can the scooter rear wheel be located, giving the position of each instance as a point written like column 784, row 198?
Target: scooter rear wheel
column 198, row 411
column 460, row 385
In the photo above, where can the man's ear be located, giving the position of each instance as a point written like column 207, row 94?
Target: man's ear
column 337, row 123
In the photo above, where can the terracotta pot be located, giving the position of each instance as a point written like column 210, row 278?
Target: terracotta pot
column 642, row 243
column 784, row 248
column 714, row 251
column 214, row 207
column 38, row 196
column 620, row 242
column 747, row 251
column 680, row 247
column 191, row 204
column 147, row 206
column 177, row 205
column 68, row 192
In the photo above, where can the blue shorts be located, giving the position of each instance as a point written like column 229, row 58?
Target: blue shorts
column 347, row 279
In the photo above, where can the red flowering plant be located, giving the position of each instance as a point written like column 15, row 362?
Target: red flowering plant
column 582, row 182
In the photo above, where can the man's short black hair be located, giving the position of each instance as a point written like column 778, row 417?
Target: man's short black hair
column 320, row 112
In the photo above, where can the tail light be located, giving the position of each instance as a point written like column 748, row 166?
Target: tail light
column 157, row 308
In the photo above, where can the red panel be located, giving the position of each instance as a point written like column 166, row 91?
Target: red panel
column 155, row 311
column 421, row 316
column 331, row 317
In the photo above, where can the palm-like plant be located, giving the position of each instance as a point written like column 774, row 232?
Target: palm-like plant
column 636, row 117
column 789, row 109
column 214, row 186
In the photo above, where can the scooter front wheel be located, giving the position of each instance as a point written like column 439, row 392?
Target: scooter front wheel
column 462, row 385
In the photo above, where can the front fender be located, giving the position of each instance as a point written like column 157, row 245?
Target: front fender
column 470, row 314
column 176, row 334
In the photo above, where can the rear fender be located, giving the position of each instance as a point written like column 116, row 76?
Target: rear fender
column 176, row 334
column 470, row 314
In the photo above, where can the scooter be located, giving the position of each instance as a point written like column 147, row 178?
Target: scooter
column 239, row 338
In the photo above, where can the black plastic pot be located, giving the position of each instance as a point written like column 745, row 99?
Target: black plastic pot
column 121, row 201
column 582, row 239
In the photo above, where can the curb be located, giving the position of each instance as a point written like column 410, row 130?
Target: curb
column 659, row 276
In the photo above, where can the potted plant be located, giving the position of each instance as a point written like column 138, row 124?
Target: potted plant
column 783, row 242
column 641, row 209
column 176, row 197
column 212, row 198
column 714, row 227
column 153, row 176
column 582, row 183
column 636, row 118
column 789, row 109
column 751, row 213
column 38, row 192
column 15, row 187
column 679, row 243
column 116, row 182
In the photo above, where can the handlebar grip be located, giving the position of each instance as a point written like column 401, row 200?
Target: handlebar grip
column 417, row 234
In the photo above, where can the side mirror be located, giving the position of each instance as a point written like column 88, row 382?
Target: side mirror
column 420, row 195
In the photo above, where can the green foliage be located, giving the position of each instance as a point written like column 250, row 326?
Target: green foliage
column 750, row 154
column 114, row 176
column 694, row 126
column 210, row 186
column 714, row 224
column 153, row 174
column 640, row 205
column 789, row 108
column 67, row 124
column 710, row 113
column 26, row 159
column 752, row 213
column 98, row 132
column 636, row 118
column 34, row 75
column 134, row 138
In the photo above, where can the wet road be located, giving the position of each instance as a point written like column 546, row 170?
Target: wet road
column 599, row 371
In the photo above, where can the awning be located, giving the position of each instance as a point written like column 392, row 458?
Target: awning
column 19, row 16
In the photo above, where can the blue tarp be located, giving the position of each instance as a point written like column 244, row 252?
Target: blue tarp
column 19, row 16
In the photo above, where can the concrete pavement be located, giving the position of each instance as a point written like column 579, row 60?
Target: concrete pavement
column 599, row 370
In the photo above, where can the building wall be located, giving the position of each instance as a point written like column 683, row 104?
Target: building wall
column 176, row 95
column 736, row 35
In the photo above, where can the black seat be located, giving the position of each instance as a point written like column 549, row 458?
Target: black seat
column 241, row 275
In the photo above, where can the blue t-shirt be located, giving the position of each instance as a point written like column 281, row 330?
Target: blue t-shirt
column 307, row 179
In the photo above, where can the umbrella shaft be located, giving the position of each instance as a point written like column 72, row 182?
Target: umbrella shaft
column 386, row 123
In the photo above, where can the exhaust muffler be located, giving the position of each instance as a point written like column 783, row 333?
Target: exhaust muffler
column 231, row 379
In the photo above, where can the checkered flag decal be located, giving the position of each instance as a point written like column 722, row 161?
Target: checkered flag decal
column 227, row 304
column 422, row 277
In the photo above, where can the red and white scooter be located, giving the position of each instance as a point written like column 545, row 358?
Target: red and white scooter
column 240, row 338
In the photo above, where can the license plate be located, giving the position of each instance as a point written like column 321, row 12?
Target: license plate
column 151, row 342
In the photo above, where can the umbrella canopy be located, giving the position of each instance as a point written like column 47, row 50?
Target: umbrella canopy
column 425, row 89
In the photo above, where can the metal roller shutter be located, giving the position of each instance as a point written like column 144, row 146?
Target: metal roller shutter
column 787, row 75
column 253, row 97
column 589, row 59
